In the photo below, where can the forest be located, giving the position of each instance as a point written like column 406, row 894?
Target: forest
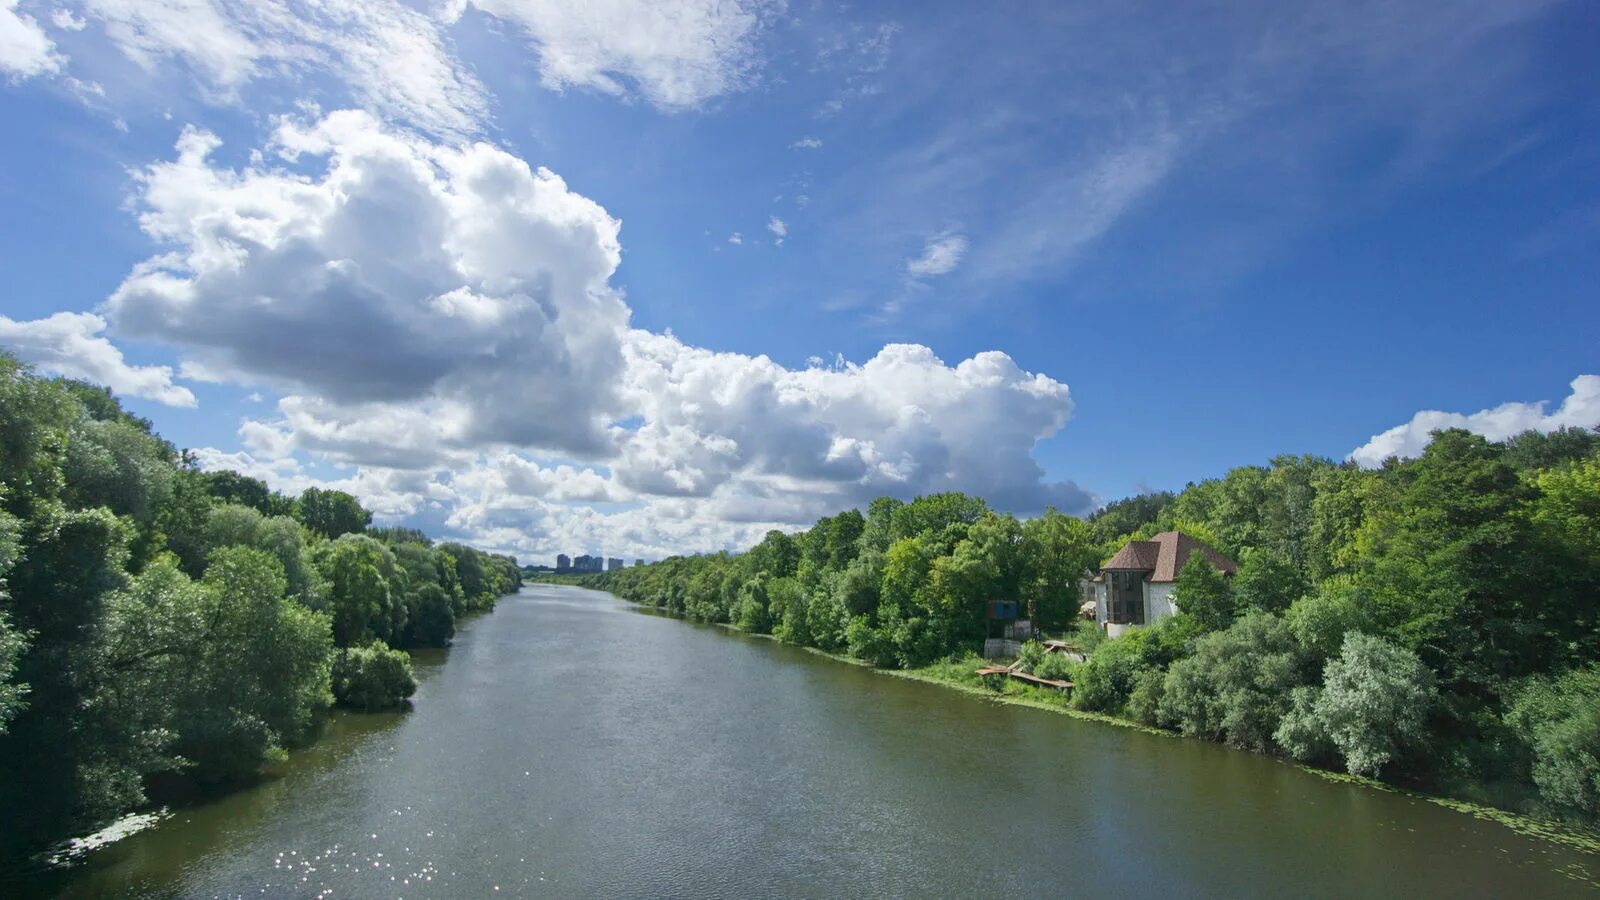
column 167, row 629
column 1431, row 623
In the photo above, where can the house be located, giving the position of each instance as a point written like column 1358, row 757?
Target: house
column 1134, row 587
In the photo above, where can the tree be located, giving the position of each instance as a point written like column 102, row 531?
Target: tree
column 1123, row 517
column 787, row 607
column 81, row 763
column 1373, row 707
column 1459, row 578
column 1204, row 594
column 332, row 513
column 230, row 487
column 1058, row 551
column 430, row 622
column 1321, row 620
column 366, row 593
column 1236, row 687
column 1268, row 580
column 751, row 614
column 777, row 555
column 261, row 671
column 372, row 677
column 1558, row 721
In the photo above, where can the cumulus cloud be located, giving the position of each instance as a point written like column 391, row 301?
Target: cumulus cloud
column 677, row 54
column 70, row 344
column 735, row 239
column 902, row 423
column 778, row 229
column 1580, row 409
column 419, row 297
column 25, row 50
column 394, row 59
column 940, row 255
column 438, row 322
column 807, row 143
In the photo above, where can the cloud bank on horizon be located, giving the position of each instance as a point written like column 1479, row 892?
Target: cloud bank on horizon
column 1579, row 409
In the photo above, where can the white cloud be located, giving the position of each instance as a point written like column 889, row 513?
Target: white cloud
column 778, row 229
column 70, row 344
column 807, row 143
column 66, row 21
column 439, row 323
column 677, row 54
column 1580, row 409
column 394, row 60
column 456, row 292
column 902, row 423
column 735, row 238
column 940, row 255
column 25, row 51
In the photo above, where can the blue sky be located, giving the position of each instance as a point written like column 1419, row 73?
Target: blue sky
column 1199, row 238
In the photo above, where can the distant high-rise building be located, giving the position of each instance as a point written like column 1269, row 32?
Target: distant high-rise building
column 612, row 564
column 638, row 562
column 563, row 562
column 587, row 563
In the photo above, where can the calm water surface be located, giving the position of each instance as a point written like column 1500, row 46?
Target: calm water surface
column 569, row 745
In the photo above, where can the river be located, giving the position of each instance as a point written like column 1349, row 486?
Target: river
column 568, row 744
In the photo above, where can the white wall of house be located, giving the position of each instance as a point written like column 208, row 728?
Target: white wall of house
column 1158, row 603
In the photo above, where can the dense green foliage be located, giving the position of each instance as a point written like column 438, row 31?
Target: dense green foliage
column 1435, row 621
column 160, row 622
column 372, row 677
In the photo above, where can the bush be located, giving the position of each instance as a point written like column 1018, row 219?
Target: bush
column 1144, row 703
column 1373, row 707
column 372, row 677
column 1558, row 720
column 1236, row 687
column 1054, row 666
column 1029, row 655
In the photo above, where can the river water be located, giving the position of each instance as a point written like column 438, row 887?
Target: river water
column 571, row 745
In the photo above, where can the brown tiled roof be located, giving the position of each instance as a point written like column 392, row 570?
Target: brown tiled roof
column 1135, row 555
column 1164, row 556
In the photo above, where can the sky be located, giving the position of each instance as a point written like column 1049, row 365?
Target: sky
column 639, row 278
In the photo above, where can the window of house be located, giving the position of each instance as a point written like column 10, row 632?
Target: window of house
column 1125, row 597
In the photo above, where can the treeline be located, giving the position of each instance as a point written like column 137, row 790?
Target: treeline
column 1434, row 622
column 161, row 623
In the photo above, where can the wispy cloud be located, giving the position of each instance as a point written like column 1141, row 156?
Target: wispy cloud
column 677, row 54
column 735, row 238
column 940, row 255
column 807, row 143
column 778, row 229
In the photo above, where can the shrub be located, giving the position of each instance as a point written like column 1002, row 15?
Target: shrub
column 372, row 677
column 1373, row 707
column 1054, row 666
column 1029, row 655
column 1558, row 720
column 1236, row 687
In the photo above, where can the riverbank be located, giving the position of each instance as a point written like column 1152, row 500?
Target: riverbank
column 960, row 675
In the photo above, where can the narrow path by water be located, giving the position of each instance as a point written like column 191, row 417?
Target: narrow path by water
column 568, row 745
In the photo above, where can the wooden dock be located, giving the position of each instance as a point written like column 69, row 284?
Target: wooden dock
column 1064, row 687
